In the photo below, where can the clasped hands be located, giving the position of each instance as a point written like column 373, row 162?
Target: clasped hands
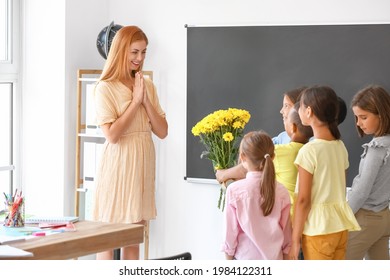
column 139, row 90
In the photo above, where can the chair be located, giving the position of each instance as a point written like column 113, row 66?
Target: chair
column 182, row 256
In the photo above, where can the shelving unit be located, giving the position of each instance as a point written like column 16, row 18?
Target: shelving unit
column 84, row 77
column 89, row 139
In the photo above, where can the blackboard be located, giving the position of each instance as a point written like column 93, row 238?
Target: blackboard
column 249, row 67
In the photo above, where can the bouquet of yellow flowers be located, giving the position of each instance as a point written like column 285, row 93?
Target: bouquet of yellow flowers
column 220, row 133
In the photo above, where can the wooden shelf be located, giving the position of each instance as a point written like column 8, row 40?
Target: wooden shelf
column 91, row 135
column 83, row 76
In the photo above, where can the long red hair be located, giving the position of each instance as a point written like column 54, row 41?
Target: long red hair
column 117, row 65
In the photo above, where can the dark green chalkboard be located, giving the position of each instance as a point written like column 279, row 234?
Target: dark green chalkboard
column 250, row 67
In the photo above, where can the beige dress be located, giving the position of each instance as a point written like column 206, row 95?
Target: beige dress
column 125, row 184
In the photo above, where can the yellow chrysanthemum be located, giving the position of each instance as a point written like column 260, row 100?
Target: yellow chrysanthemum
column 238, row 124
column 228, row 137
column 217, row 167
column 220, row 132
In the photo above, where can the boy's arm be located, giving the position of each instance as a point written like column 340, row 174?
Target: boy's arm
column 234, row 173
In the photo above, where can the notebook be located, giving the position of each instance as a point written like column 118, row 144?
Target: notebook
column 51, row 220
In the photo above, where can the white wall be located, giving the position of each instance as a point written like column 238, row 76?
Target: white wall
column 57, row 40
column 43, row 113
column 84, row 20
column 188, row 219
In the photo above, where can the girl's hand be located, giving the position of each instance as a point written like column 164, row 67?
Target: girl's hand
column 294, row 251
column 138, row 89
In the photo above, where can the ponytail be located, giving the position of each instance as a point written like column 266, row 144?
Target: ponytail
column 268, row 185
column 334, row 129
column 259, row 149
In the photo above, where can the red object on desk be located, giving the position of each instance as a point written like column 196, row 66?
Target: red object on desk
column 52, row 225
column 64, row 227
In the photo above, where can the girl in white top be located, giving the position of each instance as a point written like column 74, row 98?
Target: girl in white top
column 322, row 216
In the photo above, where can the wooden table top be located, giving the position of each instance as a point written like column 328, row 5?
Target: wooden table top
column 89, row 238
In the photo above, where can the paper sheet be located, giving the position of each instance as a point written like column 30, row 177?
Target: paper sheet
column 9, row 251
column 8, row 239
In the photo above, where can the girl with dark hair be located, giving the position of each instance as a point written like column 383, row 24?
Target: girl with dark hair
column 322, row 216
column 285, row 154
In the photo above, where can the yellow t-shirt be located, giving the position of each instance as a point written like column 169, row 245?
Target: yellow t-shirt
column 330, row 211
column 285, row 169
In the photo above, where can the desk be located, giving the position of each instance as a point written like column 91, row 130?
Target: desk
column 90, row 238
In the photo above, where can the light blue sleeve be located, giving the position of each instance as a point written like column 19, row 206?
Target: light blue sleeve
column 282, row 138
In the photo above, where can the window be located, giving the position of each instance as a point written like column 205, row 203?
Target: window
column 6, row 139
column 5, row 42
column 9, row 44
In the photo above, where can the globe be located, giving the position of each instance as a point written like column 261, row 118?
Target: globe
column 105, row 37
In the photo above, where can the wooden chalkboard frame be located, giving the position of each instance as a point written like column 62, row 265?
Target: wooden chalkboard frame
column 250, row 67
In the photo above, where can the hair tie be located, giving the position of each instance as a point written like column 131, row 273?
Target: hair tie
column 266, row 155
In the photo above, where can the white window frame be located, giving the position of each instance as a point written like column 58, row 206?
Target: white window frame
column 9, row 73
column 7, row 31
column 10, row 67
